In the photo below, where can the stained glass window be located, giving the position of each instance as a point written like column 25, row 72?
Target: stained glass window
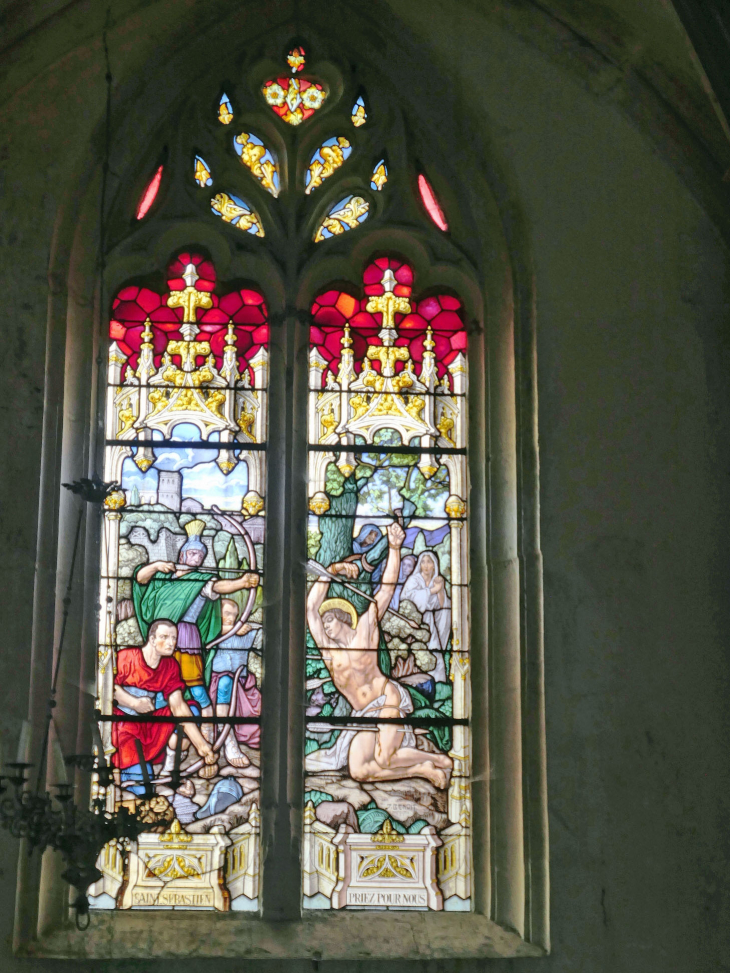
column 201, row 172
column 327, row 159
column 430, row 201
column 343, row 216
column 359, row 115
column 294, row 99
column 295, row 59
column 379, row 176
column 225, row 112
column 150, row 193
column 259, row 159
column 232, row 209
column 180, row 633
column 387, row 799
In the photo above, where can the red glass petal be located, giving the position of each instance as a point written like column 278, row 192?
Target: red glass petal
column 129, row 311
column 230, row 303
column 329, row 298
column 331, row 316
column 431, row 203
column 127, row 294
column 448, row 321
column 148, row 196
column 429, row 307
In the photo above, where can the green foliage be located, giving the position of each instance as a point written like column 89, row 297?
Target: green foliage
column 417, row 826
column 317, row 797
column 227, row 565
column 398, row 478
column 311, row 745
column 444, row 690
column 422, row 709
column 316, row 669
column 334, row 481
column 371, row 819
column 314, row 539
column 363, row 471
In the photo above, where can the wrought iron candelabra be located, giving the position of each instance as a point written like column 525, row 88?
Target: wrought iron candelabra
column 55, row 821
column 79, row 834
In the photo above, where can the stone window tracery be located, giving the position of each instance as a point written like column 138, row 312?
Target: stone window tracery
column 386, row 805
column 288, row 318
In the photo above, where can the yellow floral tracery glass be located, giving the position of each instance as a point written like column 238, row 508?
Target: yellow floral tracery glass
column 201, row 173
column 359, row 115
column 345, row 215
column 379, row 176
column 326, row 160
column 233, row 210
column 259, row 159
column 225, row 112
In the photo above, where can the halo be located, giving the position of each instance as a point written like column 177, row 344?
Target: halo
column 343, row 605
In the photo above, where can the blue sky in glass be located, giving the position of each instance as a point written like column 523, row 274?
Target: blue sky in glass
column 203, row 479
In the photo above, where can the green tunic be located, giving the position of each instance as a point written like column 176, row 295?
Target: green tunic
column 165, row 596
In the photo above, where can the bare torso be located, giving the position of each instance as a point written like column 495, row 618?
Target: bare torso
column 352, row 660
column 351, row 657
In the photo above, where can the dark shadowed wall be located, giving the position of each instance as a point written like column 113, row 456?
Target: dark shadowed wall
column 624, row 214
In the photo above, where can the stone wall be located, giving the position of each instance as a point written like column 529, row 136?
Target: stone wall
column 632, row 283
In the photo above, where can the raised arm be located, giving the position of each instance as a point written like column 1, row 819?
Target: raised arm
column 317, row 594
column 148, row 572
column 396, row 536
column 249, row 580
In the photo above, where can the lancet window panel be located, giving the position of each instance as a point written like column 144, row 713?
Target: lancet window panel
column 387, row 697
column 180, row 632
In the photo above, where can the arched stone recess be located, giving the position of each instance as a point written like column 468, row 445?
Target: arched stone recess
column 486, row 259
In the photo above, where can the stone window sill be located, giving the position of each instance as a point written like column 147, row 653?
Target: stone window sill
column 394, row 935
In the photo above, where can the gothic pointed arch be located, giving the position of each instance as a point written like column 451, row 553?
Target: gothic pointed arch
column 259, row 189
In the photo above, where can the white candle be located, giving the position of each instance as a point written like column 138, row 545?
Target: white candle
column 24, row 743
column 58, row 766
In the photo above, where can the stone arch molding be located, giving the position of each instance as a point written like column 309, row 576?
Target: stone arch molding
column 485, row 258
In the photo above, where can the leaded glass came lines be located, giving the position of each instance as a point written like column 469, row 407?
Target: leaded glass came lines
column 387, row 691
column 181, row 584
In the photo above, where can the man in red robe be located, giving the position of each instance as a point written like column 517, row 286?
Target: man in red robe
column 149, row 681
